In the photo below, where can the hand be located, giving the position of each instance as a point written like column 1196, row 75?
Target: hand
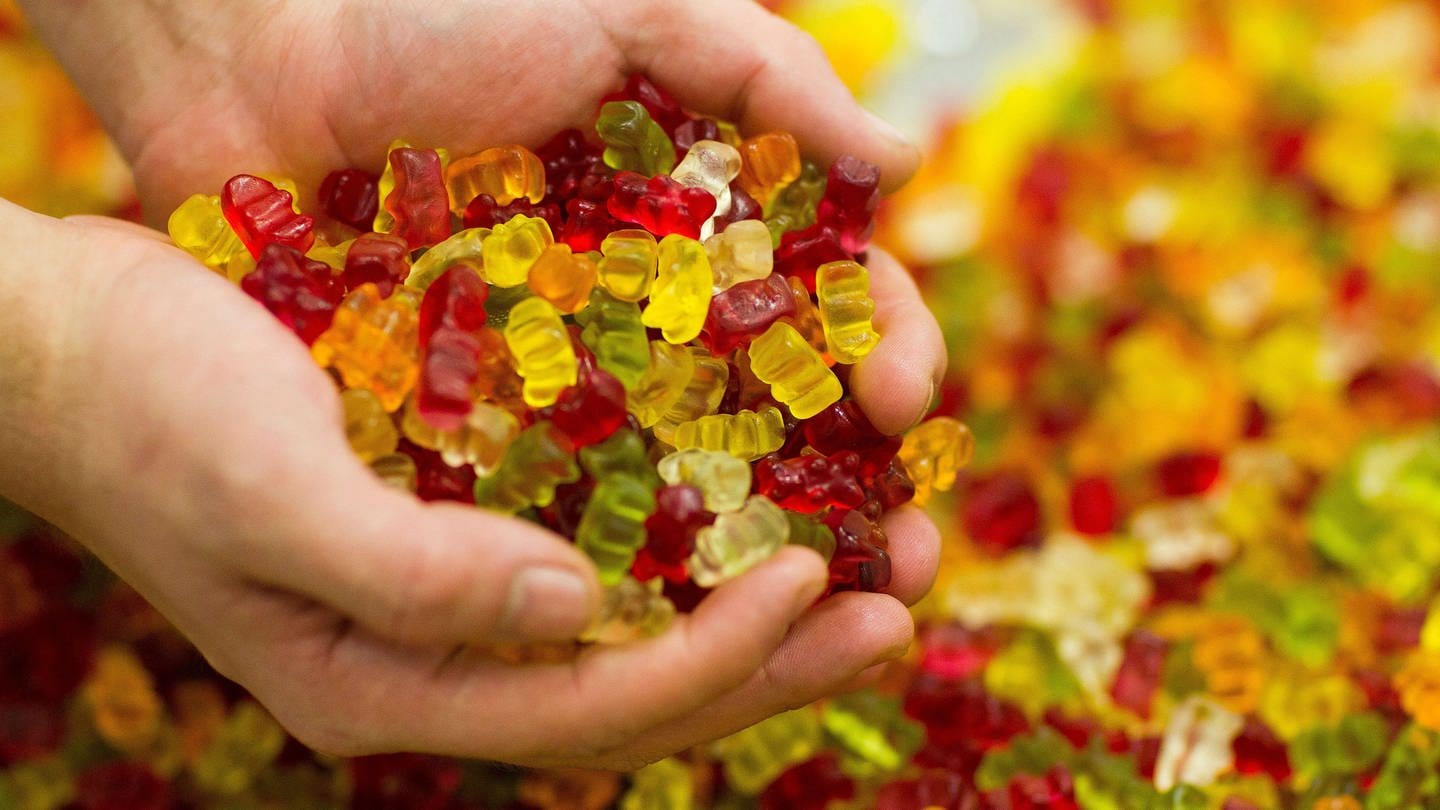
column 328, row 596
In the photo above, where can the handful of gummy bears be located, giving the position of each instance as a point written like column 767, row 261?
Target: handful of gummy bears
column 631, row 339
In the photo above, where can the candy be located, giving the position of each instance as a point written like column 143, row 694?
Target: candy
column 372, row 343
column 417, row 205
column 544, row 357
column 539, row 459
column 512, row 248
column 199, row 227
column 681, row 295
column 633, row 141
column 661, row 205
column 770, row 162
column 737, row 541
column 723, row 479
column 505, row 173
column 368, row 428
column 301, row 293
column 628, row 264
column 262, row 215
column 796, row 374
column 612, row 329
column 843, row 290
column 740, row 253
column 747, row 435
column 351, row 197
column 563, row 278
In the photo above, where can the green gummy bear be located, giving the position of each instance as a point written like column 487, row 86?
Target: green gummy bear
column 540, row 459
column 633, row 141
column 612, row 528
column 611, row 328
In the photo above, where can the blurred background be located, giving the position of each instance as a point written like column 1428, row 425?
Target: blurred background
column 1187, row 257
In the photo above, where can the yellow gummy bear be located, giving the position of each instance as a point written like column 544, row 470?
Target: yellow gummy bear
column 846, row 310
column 368, row 427
column 480, row 442
column 681, row 297
column 796, row 373
column 741, row 252
column 933, row 452
column 746, row 435
column 665, row 380
column 199, row 228
column 544, row 356
column 512, row 248
column 700, row 397
column 627, row 264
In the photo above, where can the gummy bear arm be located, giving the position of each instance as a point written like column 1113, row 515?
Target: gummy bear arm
column 740, row 61
column 899, row 381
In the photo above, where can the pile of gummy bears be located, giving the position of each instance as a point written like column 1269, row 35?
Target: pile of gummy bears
column 692, row 380
column 1191, row 285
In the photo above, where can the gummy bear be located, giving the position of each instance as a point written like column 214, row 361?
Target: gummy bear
column 746, row 435
column 368, row 427
column 795, row 207
column 591, row 411
column 544, row 356
column 740, row 253
column 710, row 165
column 934, row 453
column 851, row 194
column 262, row 215
column 670, row 533
column 613, row 331
column 199, row 227
column 466, row 247
column 379, row 259
column 745, row 311
column 612, row 529
column 351, row 197
column 844, row 426
column 418, row 204
column 811, row 482
column 301, row 293
column 724, row 479
column 563, row 278
column 628, row 264
column 661, row 205
column 633, row 141
column 480, row 440
column 629, row 610
column 754, row 757
column 797, row 375
column 663, row 383
column 801, row 253
column 372, row 344
column 846, row 309
column 769, row 162
column 539, row 459
column 737, row 541
column 512, row 248
column 505, row 173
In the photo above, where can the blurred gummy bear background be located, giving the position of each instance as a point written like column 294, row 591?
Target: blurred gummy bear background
column 1187, row 257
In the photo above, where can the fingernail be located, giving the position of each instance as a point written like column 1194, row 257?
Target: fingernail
column 931, row 403
column 888, row 130
column 546, row 603
column 890, row 654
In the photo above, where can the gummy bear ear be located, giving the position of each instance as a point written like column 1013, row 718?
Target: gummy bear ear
column 741, row 62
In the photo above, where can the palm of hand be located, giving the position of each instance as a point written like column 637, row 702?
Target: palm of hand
column 320, row 88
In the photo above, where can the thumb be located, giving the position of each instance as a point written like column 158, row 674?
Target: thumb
column 421, row 573
column 744, row 63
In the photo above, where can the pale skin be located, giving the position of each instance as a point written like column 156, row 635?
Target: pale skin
column 167, row 421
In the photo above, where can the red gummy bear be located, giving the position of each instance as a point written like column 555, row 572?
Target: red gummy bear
column 1094, row 506
column 1258, row 750
column 377, row 258
column 568, row 157
column 438, row 481
column 1138, row 678
column 351, row 197
column 862, row 558
column 452, row 311
column 262, row 215
column 484, row 212
column 811, row 785
column 962, row 713
column 1184, row 474
column 420, row 204
column 744, row 312
column 587, row 223
column 660, row 204
column 1002, row 512
column 590, row 411
column 699, row 129
column 742, row 206
column 302, row 293
column 810, row 483
column 802, row 252
column 852, row 193
column 892, row 487
column 670, row 533
column 844, row 426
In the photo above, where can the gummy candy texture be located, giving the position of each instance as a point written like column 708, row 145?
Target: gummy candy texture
column 480, row 440
column 465, row 247
column 262, row 214
column 301, row 293
column 539, row 459
column 738, row 541
column 846, row 310
column 744, row 311
column 724, row 479
column 544, row 356
column 770, row 162
column 700, row 397
column 661, row 205
column 505, row 173
column 663, row 383
column 746, row 435
column 628, row 264
column 513, row 247
column 368, row 428
column 633, row 141
column 630, row 610
column 418, row 204
column 811, row 482
column 612, row 528
column 199, row 227
column 563, row 278
column 934, row 452
column 797, row 375
column 612, row 329
column 372, row 343
column 740, row 253
column 755, row 756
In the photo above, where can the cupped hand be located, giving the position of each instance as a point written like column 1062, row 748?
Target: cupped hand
column 216, row 477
